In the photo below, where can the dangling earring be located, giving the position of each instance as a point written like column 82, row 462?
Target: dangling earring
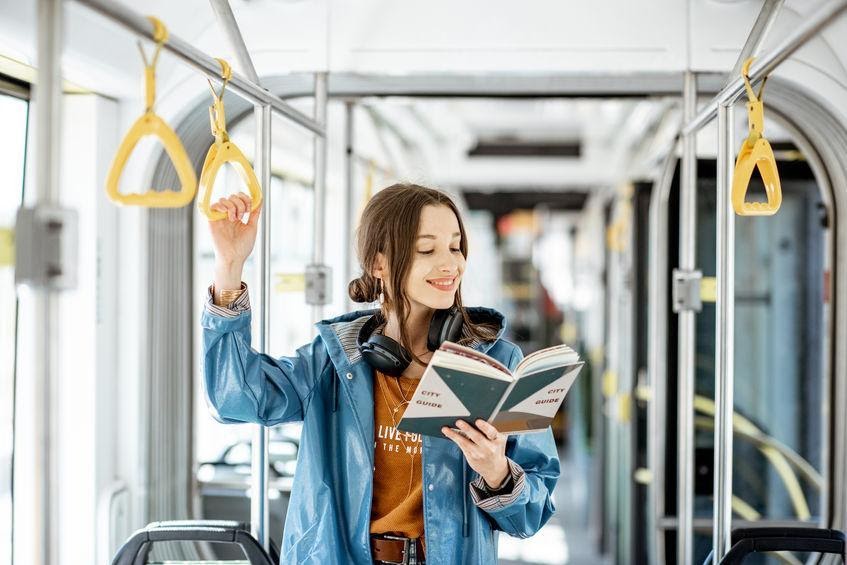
column 381, row 295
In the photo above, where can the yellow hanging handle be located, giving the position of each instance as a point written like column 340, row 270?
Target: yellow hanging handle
column 151, row 124
column 224, row 151
column 755, row 153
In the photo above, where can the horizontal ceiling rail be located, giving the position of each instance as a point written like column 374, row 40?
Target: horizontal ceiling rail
column 203, row 62
column 767, row 62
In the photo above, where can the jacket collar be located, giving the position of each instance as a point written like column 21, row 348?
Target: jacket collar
column 340, row 334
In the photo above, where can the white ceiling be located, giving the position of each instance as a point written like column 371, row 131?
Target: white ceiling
column 620, row 138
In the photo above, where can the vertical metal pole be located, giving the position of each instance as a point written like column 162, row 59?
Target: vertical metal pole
column 657, row 360
column 259, row 514
column 685, row 398
column 259, row 511
column 319, row 212
column 349, row 197
column 48, row 99
column 725, row 333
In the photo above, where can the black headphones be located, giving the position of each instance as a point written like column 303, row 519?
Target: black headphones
column 386, row 355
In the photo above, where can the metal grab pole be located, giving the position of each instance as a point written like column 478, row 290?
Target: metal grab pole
column 259, row 509
column 767, row 62
column 206, row 64
column 48, row 102
column 349, row 200
column 229, row 25
column 319, row 212
column 687, row 311
column 658, row 349
column 761, row 27
column 259, row 512
column 725, row 332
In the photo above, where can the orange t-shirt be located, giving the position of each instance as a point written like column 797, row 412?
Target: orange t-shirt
column 397, row 506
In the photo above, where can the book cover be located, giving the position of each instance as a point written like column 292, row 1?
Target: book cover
column 461, row 383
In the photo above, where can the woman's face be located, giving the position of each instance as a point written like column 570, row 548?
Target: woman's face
column 438, row 263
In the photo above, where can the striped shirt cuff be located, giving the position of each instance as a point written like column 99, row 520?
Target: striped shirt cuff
column 231, row 310
column 488, row 500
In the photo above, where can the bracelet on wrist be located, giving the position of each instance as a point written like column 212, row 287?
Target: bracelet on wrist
column 226, row 297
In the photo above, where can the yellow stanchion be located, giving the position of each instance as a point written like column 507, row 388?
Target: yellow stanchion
column 151, row 124
column 755, row 153
column 223, row 150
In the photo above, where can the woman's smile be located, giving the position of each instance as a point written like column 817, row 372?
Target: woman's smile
column 445, row 285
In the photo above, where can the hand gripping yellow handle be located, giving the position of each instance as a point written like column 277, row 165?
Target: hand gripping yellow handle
column 755, row 153
column 224, row 151
column 151, row 124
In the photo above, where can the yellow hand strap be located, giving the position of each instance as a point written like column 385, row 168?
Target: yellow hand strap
column 755, row 153
column 224, row 151
column 151, row 124
column 217, row 114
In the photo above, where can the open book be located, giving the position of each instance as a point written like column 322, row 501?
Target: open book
column 461, row 383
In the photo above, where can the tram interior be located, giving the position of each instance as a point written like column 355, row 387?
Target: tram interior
column 559, row 130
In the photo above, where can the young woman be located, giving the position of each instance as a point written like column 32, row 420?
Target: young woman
column 363, row 491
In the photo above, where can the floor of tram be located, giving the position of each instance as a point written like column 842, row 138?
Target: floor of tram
column 565, row 539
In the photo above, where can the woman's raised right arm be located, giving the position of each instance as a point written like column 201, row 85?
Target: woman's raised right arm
column 243, row 385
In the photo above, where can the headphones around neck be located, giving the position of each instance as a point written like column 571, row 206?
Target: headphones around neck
column 388, row 356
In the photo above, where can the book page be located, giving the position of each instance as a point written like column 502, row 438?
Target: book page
column 535, row 398
column 469, row 353
column 558, row 355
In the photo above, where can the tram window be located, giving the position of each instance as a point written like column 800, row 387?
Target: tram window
column 779, row 342
column 292, row 213
column 13, row 116
column 290, row 321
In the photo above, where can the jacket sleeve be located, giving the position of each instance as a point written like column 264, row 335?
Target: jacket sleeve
column 522, row 512
column 243, row 385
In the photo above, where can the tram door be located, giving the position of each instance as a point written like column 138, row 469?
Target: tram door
column 632, row 518
column 780, row 347
column 14, row 108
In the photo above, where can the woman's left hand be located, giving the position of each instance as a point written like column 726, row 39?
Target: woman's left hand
column 484, row 448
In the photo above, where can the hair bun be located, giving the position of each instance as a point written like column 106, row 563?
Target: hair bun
column 360, row 291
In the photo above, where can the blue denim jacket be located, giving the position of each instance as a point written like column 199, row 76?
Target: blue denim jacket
column 329, row 387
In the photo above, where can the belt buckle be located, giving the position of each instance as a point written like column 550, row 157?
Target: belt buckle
column 406, row 545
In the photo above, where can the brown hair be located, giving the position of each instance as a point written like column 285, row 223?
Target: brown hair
column 389, row 225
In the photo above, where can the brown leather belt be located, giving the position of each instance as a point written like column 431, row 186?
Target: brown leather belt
column 395, row 549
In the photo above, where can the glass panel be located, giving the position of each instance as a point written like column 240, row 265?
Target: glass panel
column 13, row 116
column 222, row 450
column 780, row 343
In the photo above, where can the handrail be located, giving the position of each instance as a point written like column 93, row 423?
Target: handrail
column 686, row 328
column 226, row 19
column 777, row 459
column 722, row 106
column 222, row 151
column 767, row 16
column 151, row 124
column 259, row 515
column 657, row 370
column 252, row 92
column 819, row 19
column 755, row 153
